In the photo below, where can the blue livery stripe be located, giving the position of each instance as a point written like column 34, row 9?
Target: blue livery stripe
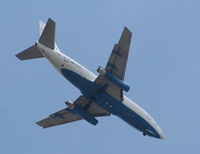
column 108, row 103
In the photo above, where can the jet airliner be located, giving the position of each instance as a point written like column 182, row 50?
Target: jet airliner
column 101, row 95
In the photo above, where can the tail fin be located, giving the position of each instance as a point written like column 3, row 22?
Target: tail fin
column 41, row 28
column 47, row 37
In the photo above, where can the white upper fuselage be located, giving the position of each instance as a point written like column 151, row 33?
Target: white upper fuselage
column 59, row 61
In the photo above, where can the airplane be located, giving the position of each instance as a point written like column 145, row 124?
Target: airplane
column 101, row 95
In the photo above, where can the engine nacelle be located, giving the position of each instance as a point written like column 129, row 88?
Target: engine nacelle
column 113, row 79
column 82, row 113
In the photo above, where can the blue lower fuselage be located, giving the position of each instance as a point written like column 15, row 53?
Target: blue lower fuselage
column 108, row 103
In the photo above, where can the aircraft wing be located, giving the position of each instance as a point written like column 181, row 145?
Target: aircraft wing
column 119, row 56
column 116, row 64
column 67, row 115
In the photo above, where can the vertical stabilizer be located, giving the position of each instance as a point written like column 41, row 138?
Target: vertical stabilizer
column 47, row 37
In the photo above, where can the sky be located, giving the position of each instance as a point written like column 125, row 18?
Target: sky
column 162, row 71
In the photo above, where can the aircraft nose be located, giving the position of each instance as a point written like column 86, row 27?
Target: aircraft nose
column 161, row 134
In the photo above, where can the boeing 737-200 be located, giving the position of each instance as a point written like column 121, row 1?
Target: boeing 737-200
column 101, row 95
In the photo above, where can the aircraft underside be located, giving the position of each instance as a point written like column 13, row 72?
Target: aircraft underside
column 91, row 91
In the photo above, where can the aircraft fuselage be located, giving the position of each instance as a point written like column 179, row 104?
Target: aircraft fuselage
column 83, row 79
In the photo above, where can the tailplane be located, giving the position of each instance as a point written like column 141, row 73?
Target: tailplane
column 30, row 53
column 47, row 38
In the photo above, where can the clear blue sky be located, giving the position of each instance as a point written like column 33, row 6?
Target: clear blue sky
column 163, row 72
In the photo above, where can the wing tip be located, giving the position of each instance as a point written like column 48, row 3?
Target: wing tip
column 125, row 38
column 39, row 123
column 126, row 29
column 18, row 56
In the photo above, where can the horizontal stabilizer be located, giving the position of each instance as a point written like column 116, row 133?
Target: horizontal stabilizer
column 48, row 35
column 30, row 53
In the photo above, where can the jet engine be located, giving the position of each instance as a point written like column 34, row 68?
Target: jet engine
column 115, row 80
column 81, row 112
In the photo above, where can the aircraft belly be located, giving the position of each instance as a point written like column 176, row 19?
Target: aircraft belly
column 127, row 111
column 80, row 82
column 119, row 109
column 127, row 114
